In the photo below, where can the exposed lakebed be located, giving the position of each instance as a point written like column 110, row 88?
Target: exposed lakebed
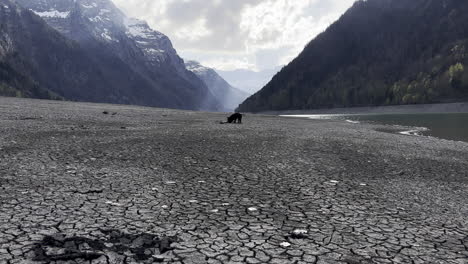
column 452, row 126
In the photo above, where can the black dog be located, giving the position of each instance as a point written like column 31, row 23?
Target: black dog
column 235, row 118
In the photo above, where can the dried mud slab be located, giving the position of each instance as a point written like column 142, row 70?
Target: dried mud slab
column 178, row 187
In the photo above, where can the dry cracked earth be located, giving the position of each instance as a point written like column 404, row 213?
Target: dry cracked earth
column 142, row 185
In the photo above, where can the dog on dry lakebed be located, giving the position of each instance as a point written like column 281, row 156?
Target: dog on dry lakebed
column 234, row 118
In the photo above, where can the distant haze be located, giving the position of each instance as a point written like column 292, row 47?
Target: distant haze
column 247, row 80
column 238, row 34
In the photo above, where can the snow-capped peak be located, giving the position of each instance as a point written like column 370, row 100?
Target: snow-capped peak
column 140, row 29
column 196, row 67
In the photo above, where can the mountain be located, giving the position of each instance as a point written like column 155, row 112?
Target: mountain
column 32, row 55
column 230, row 97
column 247, row 80
column 124, row 60
column 380, row 52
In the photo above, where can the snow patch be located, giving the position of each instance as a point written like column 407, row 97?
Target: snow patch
column 106, row 36
column 93, row 5
column 196, row 67
column 52, row 14
column 139, row 28
column 155, row 51
column 104, row 11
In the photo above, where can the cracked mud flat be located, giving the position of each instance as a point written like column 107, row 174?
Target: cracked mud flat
column 162, row 186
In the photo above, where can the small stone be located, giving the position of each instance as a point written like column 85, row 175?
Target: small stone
column 113, row 203
column 299, row 233
column 252, row 209
column 158, row 258
column 285, row 244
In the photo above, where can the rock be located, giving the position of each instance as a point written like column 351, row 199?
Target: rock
column 165, row 244
column 299, row 234
column 158, row 258
column 285, row 244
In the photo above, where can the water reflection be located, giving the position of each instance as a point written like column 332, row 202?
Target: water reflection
column 453, row 126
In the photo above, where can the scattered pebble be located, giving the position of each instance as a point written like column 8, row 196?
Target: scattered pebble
column 285, row 244
column 252, row 209
column 214, row 211
column 170, row 182
column 299, row 233
column 225, row 204
column 363, row 184
column 113, row 203
column 333, row 181
column 193, row 201
column 164, row 207
column 159, row 258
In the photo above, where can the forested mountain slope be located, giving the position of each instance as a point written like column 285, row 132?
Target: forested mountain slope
column 380, row 52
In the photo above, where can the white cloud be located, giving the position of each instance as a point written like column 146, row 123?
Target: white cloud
column 227, row 34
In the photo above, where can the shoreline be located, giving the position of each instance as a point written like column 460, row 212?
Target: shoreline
column 394, row 109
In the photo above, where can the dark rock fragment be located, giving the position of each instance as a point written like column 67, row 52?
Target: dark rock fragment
column 299, row 234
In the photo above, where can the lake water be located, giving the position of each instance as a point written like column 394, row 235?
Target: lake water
column 452, row 126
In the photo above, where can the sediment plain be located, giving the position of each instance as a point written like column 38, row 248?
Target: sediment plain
column 145, row 185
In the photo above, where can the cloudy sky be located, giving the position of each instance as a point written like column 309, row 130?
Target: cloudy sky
column 238, row 34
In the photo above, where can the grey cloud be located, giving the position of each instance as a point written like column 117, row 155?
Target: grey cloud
column 224, row 39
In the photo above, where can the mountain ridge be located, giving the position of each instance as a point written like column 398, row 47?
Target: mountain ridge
column 229, row 96
column 132, row 72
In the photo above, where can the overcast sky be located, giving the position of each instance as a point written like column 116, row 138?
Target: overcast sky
column 238, row 34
